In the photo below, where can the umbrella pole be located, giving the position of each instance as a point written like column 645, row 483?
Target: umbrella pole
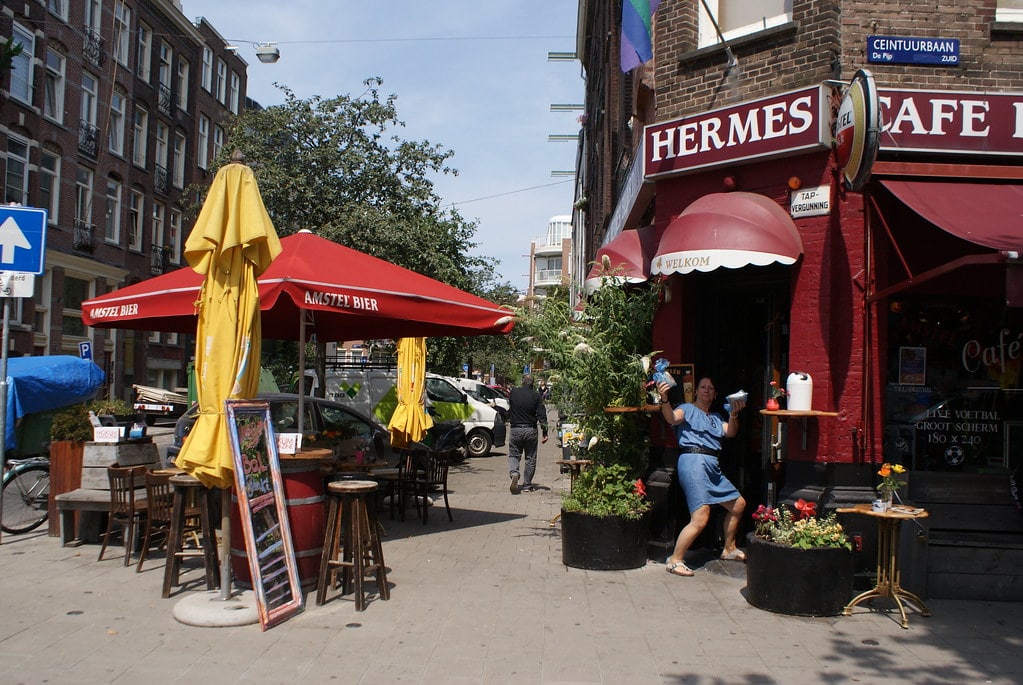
column 301, row 372
column 225, row 544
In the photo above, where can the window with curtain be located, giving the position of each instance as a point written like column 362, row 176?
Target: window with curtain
column 206, row 75
column 136, row 212
column 112, row 225
column 53, row 88
column 115, row 129
column 16, row 178
column 182, row 84
column 179, row 160
column 49, row 184
column 144, row 60
column 121, row 47
column 20, row 78
column 140, row 137
column 202, row 143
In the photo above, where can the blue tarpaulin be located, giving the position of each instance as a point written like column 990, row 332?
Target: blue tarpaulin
column 36, row 384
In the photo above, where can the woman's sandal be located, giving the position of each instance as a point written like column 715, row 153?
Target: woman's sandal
column 679, row 568
column 734, row 555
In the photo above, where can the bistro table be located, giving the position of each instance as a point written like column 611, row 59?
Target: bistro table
column 887, row 585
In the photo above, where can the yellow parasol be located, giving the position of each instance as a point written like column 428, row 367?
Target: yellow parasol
column 410, row 421
column 232, row 243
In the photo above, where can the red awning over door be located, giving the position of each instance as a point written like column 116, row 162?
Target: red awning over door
column 986, row 214
column 626, row 259
column 730, row 230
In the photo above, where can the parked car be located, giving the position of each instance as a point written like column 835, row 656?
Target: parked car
column 325, row 420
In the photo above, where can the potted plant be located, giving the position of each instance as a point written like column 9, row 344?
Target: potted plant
column 797, row 562
column 597, row 374
column 604, row 520
column 890, row 482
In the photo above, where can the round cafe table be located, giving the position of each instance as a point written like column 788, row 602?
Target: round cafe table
column 887, row 584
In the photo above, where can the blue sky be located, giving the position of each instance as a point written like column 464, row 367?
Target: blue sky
column 470, row 76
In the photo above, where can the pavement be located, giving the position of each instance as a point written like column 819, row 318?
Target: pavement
column 483, row 599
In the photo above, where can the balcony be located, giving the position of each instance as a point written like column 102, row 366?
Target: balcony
column 160, row 179
column 88, row 139
column 160, row 260
column 92, row 46
column 547, row 277
column 82, row 239
column 166, row 100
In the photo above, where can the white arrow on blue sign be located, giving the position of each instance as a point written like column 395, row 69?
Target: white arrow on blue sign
column 22, row 239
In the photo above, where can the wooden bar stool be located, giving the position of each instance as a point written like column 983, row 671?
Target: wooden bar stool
column 351, row 542
column 187, row 488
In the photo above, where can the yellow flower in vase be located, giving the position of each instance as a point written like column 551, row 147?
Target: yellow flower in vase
column 890, row 481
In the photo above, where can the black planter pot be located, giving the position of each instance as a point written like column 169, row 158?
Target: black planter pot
column 799, row 582
column 608, row 543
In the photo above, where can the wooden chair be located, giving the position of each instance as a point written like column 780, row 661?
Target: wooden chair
column 404, row 482
column 124, row 510
column 159, row 498
column 435, row 477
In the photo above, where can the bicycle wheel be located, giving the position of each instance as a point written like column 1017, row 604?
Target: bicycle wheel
column 26, row 498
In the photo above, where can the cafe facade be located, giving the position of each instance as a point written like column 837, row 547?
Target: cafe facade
column 861, row 232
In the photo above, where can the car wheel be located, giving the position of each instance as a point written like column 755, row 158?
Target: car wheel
column 478, row 443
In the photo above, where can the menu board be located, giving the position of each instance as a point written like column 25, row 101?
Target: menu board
column 264, row 516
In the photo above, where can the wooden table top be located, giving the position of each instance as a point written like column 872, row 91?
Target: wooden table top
column 898, row 511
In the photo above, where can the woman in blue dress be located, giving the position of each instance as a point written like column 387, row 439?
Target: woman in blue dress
column 699, row 434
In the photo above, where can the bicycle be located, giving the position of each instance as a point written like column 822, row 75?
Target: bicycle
column 26, row 494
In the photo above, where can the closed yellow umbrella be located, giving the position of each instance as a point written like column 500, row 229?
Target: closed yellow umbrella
column 410, row 421
column 232, row 243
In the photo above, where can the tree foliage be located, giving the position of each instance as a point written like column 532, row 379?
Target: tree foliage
column 336, row 167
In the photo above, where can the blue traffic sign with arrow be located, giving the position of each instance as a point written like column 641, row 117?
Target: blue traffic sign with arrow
column 22, row 239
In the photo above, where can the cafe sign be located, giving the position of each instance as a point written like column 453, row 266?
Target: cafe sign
column 771, row 127
column 953, row 122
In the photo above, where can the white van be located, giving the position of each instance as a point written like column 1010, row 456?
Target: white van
column 373, row 391
column 483, row 392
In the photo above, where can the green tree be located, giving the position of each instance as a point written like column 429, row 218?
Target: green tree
column 335, row 166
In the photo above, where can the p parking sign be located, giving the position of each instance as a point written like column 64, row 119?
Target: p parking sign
column 85, row 350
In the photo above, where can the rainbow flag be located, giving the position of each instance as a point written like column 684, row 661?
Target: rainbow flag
column 637, row 32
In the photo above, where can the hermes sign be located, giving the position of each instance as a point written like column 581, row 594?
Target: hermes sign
column 771, row 127
column 951, row 122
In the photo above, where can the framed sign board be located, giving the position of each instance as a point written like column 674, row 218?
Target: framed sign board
column 264, row 516
column 683, row 375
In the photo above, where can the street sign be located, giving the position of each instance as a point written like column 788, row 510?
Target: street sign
column 22, row 239
column 16, row 284
column 85, row 350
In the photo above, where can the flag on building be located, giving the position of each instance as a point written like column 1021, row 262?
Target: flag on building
column 637, row 32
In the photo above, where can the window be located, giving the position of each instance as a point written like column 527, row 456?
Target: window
column 53, row 90
column 741, row 17
column 21, row 65
column 166, row 63
column 16, row 178
column 145, row 57
column 93, row 14
column 90, row 90
column 83, row 195
column 235, row 92
column 206, row 76
column 122, row 33
column 157, row 232
column 76, row 291
column 58, row 7
column 136, row 212
column 202, row 144
column 221, row 82
column 49, row 184
column 174, row 236
column 183, row 84
column 115, row 131
column 139, row 140
column 218, row 140
column 162, row 141
column 112, row 232
column 1009, row 10
column 179, row 160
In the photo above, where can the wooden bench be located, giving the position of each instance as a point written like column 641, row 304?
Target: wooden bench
column 975, row 537
column 90, row 527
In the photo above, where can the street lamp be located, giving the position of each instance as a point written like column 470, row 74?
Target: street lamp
column 267, row 53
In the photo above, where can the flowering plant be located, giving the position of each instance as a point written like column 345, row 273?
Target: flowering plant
column 777, row 391
column 890, row 481
column 607, row 490
column 799, row 526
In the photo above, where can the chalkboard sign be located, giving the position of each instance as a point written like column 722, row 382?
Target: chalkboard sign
column 264, row 517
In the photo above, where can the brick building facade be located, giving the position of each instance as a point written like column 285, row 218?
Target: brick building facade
column 918, row 262
column 111, row 112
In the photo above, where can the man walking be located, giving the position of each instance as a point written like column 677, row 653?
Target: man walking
column 526, row 411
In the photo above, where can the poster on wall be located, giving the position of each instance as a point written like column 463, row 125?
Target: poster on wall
column 264, row 518
column 912, row 365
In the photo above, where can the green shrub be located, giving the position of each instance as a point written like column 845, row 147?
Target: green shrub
column 72, row 423
column 605, row 490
